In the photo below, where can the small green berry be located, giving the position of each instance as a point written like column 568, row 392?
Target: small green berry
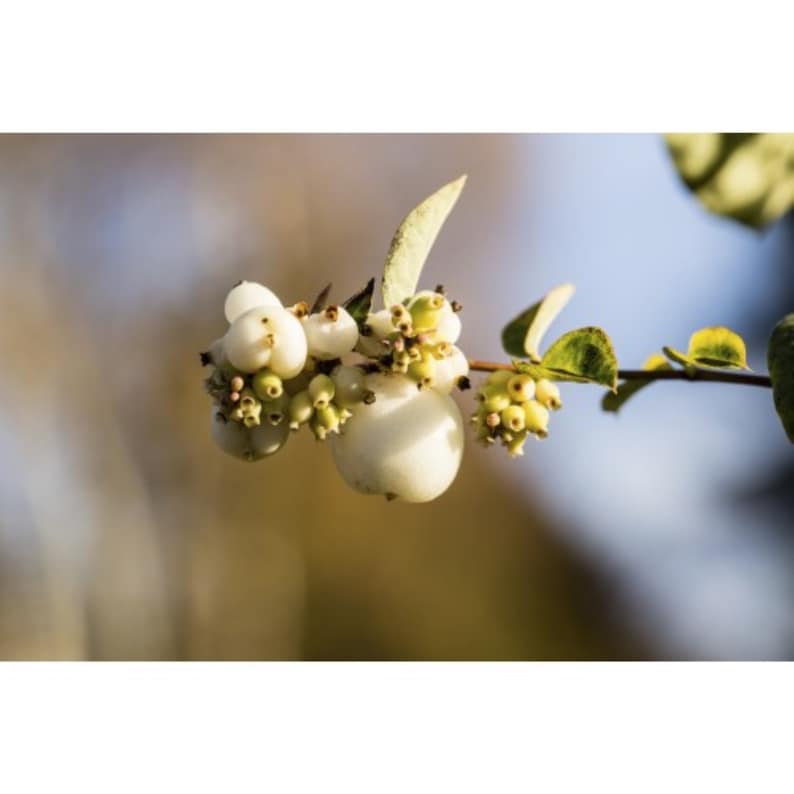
column 515, row 447
column 301, row 409
column 325, row 420
column 322, row 390
column 267, row 385
column 495, row 398
column 501, row 376
column 521, row 388
column 513, row 417
column 536, row 418
column 423, row 371
column 548, row 394
column 425, row 312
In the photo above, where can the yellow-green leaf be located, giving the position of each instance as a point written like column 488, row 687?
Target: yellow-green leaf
column 413, row 240
column 585, row 353
column 718, row 347
column 780, row 360
column 523, row 335
column 745, row 176
column 614, row 401
column 712, row 348
column 538, row 371
column 677, row 357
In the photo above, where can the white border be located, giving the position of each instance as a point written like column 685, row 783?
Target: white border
column 413, row 65
column 396, row 727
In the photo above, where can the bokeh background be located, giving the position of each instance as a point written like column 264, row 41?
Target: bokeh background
column 663, row 533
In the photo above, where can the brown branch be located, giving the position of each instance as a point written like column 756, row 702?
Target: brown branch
column 702, row 375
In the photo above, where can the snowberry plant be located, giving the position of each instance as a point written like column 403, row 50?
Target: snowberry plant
column 375, row 383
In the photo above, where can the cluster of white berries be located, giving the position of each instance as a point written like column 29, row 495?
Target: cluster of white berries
column 378, row 390
column 512, row 407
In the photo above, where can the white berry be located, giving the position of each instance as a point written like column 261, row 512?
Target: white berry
column 449, row 370
column 330, row 333
column 449, row 326
column 380, row 325
column 291, row 349
column 245, row 296
column 349, row 384
column 267, row 336
column 408, row 443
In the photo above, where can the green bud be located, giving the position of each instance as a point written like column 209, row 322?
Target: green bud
column 536, row 418
column 495, row 398
column 322, row 390
column 267, row 385
column 325, row 420
column 301, row 409
column 501, row 376
column 328, row 417
column 441, row 350
column 399, row 314
column 548, row 394
column 249, row 409
column 521, row 388
column 401, row 357
column 247, row 399
column 426, row 312
column 484, row 435
column 513, row 418
column 423, row 371
column 515, row 446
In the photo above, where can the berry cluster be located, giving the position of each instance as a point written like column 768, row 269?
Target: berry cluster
column 417, row 339
column 513, row 407
column 278, row 368
column 389, row 376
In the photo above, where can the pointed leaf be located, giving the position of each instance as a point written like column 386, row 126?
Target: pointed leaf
column 358, row 305
column 614, row 401
column 585, row 353
column 718, row 347
column 780, row 360
column 320, row 300
column 523, row 334
column 413, row 240
column 677, row 357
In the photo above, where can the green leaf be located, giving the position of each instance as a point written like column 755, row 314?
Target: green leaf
column 321, row 299
column 718, row 347
column 586, row 353
column 614, row 401
column 712, row 348
column 538, row 371
column 745, row 176
column 523, row 334
column 358, row 305
column 780, row 360
column 677, row 357
column 413, row 240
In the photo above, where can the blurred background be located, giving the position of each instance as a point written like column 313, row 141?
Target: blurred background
column 662, row 533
